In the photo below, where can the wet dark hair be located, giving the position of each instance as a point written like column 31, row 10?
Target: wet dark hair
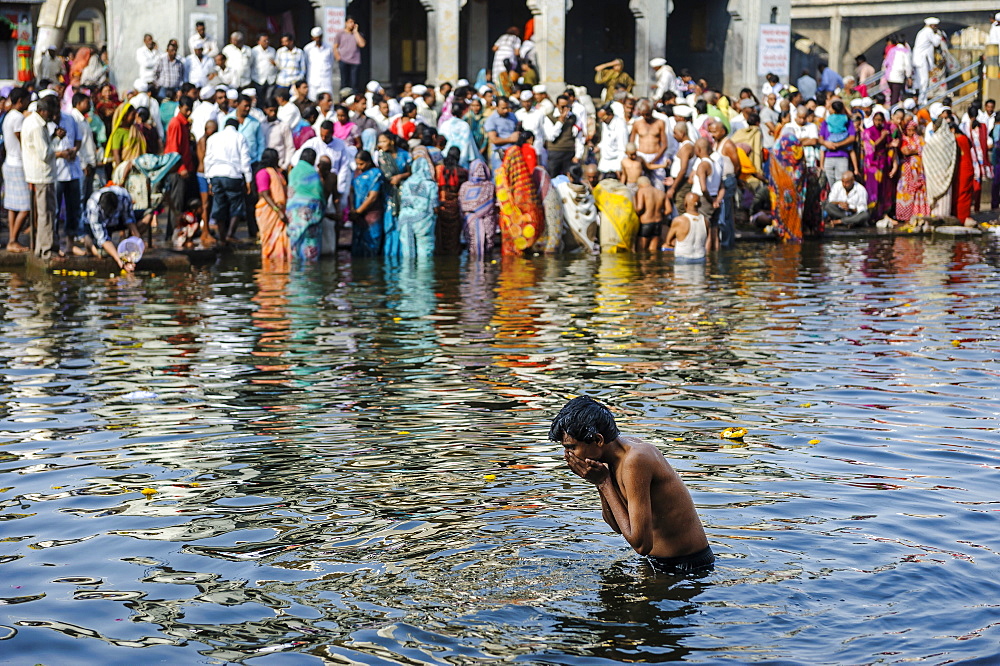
column 583, row 419
column 108, row 203
column 575, row 174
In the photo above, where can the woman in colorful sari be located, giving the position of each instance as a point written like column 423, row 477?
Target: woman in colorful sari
column 521, row 214
column 127, row 141
column 304, row 209
column 417, row 215
column 911, row 192
column 787, row 182
column 366, row 208
column 106, row 104
column 450, row 177
column 475, row 118
column 275, row 251
column 619, row 222
column 507, row 79
column 344, row 129
column 394, row 163
column 877, row 182
column 551, row 240
column 477, row 200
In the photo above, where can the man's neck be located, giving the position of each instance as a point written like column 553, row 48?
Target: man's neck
column 613, row 452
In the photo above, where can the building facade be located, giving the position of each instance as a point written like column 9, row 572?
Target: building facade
column 444, row 40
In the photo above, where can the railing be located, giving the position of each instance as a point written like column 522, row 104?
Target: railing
column 962, row 84
column 875, row 78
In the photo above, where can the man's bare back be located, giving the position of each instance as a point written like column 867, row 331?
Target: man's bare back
column 642, row 497
column 649, row 203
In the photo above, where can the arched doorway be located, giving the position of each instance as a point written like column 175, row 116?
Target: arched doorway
column 87, row 25
column 607, row 28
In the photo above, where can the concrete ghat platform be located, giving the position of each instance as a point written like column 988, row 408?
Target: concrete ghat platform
column 153, row 260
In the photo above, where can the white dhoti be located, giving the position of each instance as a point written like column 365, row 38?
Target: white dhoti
column 657, row 175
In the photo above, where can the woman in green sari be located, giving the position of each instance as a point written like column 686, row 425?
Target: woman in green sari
column 474, row 116
column 126, row 141
column 394, row 163
column 304, row 208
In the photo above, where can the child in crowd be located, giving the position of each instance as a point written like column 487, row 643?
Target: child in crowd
column 651, row 205
column 188, row 226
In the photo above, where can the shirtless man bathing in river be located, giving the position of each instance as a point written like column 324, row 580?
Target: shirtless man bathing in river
column 650, row 136
column 642, row 497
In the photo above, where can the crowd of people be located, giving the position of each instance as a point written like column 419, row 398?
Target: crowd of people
column 236, row 137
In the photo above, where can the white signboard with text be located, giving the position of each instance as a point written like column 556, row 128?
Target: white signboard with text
column 333, row 22
column 774, row 50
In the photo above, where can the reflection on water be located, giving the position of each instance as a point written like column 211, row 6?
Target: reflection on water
column 349, row 461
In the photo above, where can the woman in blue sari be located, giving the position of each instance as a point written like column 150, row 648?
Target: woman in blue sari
column 305, row 208
column 418, row 214
column 394, row 163
column 366, row 208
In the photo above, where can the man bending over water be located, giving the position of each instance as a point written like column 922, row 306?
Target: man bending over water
column 642, row 497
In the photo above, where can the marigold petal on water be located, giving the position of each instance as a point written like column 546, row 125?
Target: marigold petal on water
column 733, row 433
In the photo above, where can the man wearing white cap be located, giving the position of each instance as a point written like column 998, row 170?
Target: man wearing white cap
column 994, row 36
column 540, row 93
column 532, row 120
column 928, row 39
column 665, row 77
column 198, row 65
column 319, row 65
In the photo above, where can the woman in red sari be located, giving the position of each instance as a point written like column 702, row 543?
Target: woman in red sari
column 964, row 183
column 981, row 167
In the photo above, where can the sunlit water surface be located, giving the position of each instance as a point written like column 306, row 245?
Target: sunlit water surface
column 350, row 462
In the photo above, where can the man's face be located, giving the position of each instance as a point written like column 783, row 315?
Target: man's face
column 847, row 180
column 184, row 111
column 561, row 105
column 989, row 107
column 84, row 106
column 220, row 99
column 220, row 60
column 243, row 108
column 583, row 450
column 503, row 108
column 771, row 99
column 171, row 51
column 148, row 41
column 325, row 103
column 200, row 30
column 286, row 42
column 800, row 118
column 271, row 112
column 303, row 90
column 605, row 117
column 264, row 41
column 360, row 105
column 325, row 134
column 349, row 25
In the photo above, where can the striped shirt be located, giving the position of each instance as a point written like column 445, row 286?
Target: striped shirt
column 291, row 66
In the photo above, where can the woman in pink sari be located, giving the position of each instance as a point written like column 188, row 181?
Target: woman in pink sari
column 345, row 130
column 911, row 193
column 877, row 181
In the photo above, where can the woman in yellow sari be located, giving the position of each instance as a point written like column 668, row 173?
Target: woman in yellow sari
column 275, row 250
column 619, row 222
column 126, row 141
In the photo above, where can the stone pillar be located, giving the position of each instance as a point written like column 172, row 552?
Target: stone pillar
column 747, row 77
column 50, row 29
column 835, row 55
column 650, row 39
column 550, row 41
column 378, row 41
column 445, row 39
column 432, row 41
column 477, row 43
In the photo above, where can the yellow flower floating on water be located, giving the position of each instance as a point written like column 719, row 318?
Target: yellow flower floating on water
column 149, row 492
column 733, row 433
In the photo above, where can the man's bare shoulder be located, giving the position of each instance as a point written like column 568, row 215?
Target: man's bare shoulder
column 641, row 452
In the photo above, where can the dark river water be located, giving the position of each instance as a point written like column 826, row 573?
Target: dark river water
column 350, row 462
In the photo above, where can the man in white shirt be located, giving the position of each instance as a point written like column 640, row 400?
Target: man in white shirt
column 147, row 56
column 222, row 74
column 238, row 59
column 542, row 101
column 288, row 112
column 208, row 42
column 16, row 197
column 994, row 36
column 319, row 65
column 928, row 39
column 324, row 104
column 614, row 138
column 264, row 67
column 39, row 150
column 204, row 111
column 341, row 157
column 532, row 119
column 88, row 147
column 227, row 168
column 847, row 204
column 278, row 135
column 68, row 175
column 665, row 77
column 197, row 66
